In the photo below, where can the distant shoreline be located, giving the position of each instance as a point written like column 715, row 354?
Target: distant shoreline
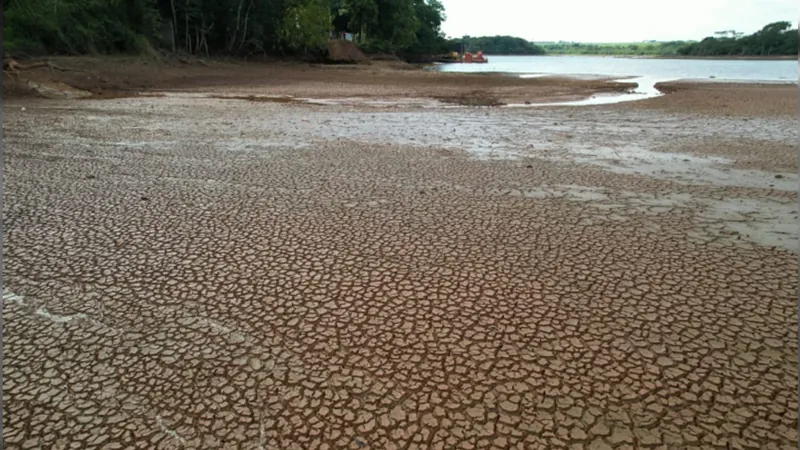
column 729, row 58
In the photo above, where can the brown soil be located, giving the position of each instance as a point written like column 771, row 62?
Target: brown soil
column 186, row 272
column 340, row 50
column 115, row 77
column 749, row 100
column 255, row 98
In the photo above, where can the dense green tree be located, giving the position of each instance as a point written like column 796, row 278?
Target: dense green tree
column 429, row 38
column 778, row 38
column 498, row 45
column 640, row 48
column 306, row 26
column 78, row 26
column 363, row 16
column 217, row 26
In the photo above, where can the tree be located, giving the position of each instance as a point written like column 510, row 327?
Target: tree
column 397, row 25
column 306, row 26
column 776, row 38
column 500, row 45
column 363, row 16
column 79, row 26
column 216, row 26
column 429, row 37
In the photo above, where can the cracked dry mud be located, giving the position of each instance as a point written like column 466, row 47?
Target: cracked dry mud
column 198, row 273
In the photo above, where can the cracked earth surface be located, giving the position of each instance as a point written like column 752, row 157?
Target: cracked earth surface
column 204, row 273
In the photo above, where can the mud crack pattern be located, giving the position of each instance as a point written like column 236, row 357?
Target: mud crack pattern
column 199, row 276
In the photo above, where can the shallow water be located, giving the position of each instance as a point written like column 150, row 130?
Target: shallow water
column 646, row 72
column 661, row 69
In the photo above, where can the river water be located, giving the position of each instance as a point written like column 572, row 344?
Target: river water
column 644, row 71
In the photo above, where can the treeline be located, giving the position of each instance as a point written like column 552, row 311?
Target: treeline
column 638, row 49
column 495, row 45
column 235, row 27
column 775, row 39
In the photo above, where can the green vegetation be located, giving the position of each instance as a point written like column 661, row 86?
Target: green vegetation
column 774, row 39
column 206, row 27
column 238, row 27
column 628, row 49
column 78, row 26
column 497, row 45
column 777, row 38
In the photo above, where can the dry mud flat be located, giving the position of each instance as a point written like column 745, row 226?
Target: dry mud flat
column 190, row 272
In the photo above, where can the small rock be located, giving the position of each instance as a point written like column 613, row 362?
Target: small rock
column 779, row 176
column 144, row 199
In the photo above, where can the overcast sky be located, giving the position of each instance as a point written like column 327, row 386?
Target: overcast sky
column 612, row 20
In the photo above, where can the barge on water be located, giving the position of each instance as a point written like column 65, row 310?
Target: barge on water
column 469, row 58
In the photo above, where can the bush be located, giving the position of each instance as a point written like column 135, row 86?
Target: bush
column 78, row 26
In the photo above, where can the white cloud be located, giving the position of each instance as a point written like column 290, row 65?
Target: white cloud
column 612, row 20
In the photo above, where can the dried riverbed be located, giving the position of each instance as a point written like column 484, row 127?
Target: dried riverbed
column 187, row 271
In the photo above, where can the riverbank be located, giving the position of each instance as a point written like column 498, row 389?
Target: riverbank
column 757, row 100
column 732, row 57
column 685, row 57
column 120, row 77
column 386, row 81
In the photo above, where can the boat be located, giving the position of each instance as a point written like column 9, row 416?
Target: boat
column 477, row 58
column 467, row 57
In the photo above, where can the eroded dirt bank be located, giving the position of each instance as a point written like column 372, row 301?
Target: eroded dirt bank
column 193, row 272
